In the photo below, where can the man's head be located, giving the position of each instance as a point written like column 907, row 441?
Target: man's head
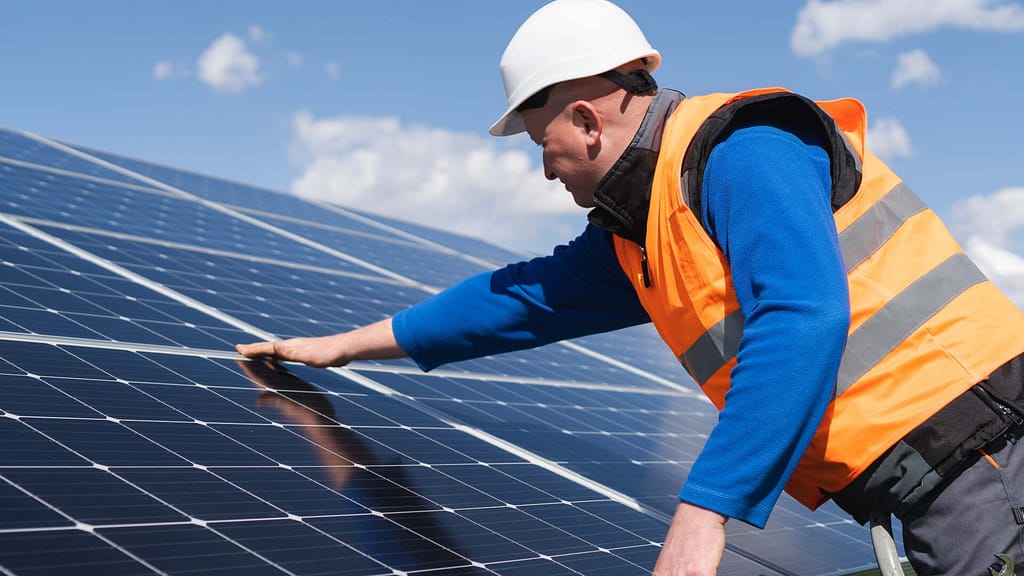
column 577, row 79
column 583, row 126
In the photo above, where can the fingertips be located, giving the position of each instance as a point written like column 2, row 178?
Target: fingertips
column 255, row 349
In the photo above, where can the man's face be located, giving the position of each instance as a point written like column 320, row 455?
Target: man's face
column 566, row 153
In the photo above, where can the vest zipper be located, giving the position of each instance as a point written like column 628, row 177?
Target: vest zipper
column 643, row 267
column 1015, row 421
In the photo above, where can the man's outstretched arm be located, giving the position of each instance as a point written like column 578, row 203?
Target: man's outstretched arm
column 371, row 342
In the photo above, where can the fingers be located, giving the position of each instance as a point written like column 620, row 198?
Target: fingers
column 256, row 349
column 295, row 349
column 314, row 352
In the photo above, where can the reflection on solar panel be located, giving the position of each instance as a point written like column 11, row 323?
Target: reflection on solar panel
column 136, row 442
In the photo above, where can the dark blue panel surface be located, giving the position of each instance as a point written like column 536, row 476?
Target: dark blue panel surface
column 157, row 216
column 272, row 478
column 300, row 549
column 42, row 292
column 418, row 261
column 60, row 552
column 287, row 301
column 181, row 549
column 92, row 496
column 22, row 510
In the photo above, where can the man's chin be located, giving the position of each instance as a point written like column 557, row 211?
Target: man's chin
column 583, row 201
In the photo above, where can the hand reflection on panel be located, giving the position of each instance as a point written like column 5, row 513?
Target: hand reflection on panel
column 302, row 404
column 339, row 449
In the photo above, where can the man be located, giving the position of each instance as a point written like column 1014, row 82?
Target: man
column 854, row 352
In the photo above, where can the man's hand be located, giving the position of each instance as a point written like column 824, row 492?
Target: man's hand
column 373, row 342
column 694, row 544
column 318, row 352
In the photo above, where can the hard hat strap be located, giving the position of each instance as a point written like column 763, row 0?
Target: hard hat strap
column 638, row 81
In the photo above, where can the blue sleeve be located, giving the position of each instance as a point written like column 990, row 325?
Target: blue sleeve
column 768, row 207
column 579, row 289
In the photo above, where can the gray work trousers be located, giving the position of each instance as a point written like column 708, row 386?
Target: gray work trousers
column 976, row 515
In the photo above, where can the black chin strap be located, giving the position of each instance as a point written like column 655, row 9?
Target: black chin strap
column 638, row 81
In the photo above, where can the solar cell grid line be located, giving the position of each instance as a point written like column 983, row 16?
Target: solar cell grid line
column 27, row 147
column 199, row 251
column 161, row 513
column 26, row 192
column 287, row 305
column 90, row 261
column 230, row 212
column 275, row 296
column 425, row 264
column 43, row 293
column 453, row 243
column 10, row 165
column 264, row 202
column 235, row 194
column 329, row 217
column 478, row 248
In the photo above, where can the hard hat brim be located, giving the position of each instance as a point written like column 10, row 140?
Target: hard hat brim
column 511, row 122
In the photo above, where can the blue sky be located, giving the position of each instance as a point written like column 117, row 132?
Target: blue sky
column 385, row 105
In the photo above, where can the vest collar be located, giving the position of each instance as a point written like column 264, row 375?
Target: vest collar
column 623, row 196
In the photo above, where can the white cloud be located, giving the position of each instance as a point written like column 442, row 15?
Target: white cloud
column 257, row 34
column 294, row 58
column 915, row 67
column 333, row 70
column 227, row 66
column 822, row 26
column 163, row 70
column 889, row 139
column 993, row 231
column 458, row 181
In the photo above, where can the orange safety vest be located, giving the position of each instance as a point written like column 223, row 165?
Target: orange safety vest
column 926, row 324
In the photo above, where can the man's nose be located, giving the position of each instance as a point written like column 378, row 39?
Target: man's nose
column 548, row 172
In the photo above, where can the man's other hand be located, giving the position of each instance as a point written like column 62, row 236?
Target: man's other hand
column 694, row 544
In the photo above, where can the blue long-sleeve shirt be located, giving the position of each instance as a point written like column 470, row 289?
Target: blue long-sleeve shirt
column 767, row 205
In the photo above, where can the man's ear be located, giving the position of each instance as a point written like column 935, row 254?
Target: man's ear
column 587, row 119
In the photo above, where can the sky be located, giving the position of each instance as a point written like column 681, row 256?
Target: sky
column 384, row 106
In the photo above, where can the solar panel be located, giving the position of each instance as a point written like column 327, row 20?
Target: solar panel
column 137, row 442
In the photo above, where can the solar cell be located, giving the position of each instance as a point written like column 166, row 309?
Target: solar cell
column 135, row 441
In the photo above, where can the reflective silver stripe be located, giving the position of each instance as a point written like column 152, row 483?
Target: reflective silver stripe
column 869, row 232
column 904, row 314
column 714, row 348
column 888, row 327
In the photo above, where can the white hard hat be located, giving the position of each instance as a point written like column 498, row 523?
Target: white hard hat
column 565, row 40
